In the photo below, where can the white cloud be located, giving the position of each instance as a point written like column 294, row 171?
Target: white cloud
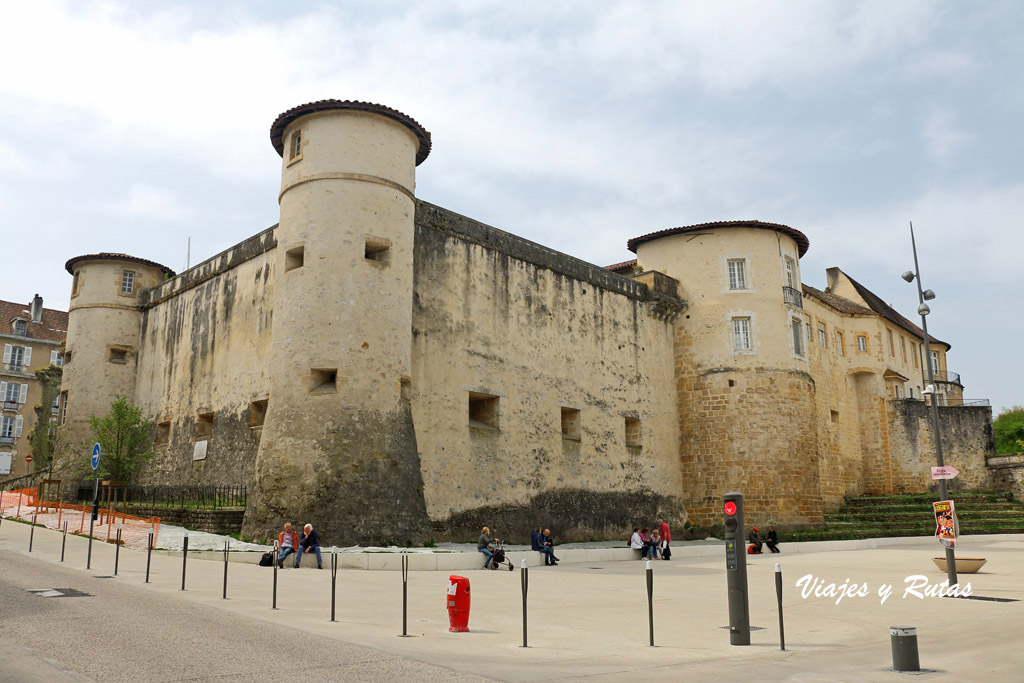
column 940, row 136
column 148, row 203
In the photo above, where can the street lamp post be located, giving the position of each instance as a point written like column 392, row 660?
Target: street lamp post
column 923, row 310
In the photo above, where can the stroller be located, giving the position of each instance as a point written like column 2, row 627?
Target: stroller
column 499, row 557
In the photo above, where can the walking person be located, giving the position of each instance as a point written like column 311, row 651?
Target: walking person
column 482, row 545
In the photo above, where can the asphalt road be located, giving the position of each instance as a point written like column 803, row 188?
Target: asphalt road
column 115, row 631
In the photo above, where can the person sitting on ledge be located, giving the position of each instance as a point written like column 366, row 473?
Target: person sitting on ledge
column 537, row 543
column 287, row 542
column 636, row 542
column 546, row 542
column 773, row 539
column 310, row 543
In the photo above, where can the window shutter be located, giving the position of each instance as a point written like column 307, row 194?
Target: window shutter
column 3, row 391
column 23, row 396
column 17, row 425
column 7, row 353
column 28, row 357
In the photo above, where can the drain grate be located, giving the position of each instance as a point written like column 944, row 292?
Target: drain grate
column 59, row 593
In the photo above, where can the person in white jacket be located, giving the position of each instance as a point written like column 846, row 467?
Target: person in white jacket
column 635, row 542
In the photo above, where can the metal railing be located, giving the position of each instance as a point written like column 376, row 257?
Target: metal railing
column 946, row 377
column 11, row 405
column 793, row 297
column 197, row 497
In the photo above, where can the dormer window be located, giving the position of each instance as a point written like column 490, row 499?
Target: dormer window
column 20, row 328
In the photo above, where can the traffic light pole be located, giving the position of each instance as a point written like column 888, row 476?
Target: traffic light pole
column 736, row 570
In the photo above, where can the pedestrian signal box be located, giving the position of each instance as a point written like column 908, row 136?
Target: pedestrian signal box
column 736, row 566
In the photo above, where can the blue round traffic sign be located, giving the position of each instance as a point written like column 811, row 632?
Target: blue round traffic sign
column 96, row 456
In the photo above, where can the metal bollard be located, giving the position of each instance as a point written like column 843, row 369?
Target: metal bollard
column 184, row 560
column 525, row 581
column 227, row 548
column 32, row 533
column 904, row 648
column 405, row 594
column 64, row 541
column 273, row 605
column 650, row 598
column 117, row 549
column 778, row 593
column 334, row 581
column 149, row 553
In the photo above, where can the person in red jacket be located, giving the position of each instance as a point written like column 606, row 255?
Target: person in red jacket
column 666, row 539
column 287, row 543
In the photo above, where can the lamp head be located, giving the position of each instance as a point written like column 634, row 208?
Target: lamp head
column 908, row 276
column 923, row 309
column 928, row 295
column 929, row 390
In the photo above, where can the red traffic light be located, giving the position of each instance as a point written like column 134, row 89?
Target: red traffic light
column 730, row 508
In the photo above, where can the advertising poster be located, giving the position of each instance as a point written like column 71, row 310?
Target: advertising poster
column 946, row 526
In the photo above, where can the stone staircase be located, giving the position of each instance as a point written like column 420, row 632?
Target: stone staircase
column 911, row 515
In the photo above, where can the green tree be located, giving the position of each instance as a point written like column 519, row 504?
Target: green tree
column 1008, row 430
column 125, row 438
column 41, row 440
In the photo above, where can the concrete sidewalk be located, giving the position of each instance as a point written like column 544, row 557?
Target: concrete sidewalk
column 588, row 619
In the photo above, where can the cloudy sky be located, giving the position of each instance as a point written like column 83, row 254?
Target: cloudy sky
column 132, row 126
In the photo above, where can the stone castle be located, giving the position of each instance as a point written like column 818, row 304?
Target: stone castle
column 393, row 371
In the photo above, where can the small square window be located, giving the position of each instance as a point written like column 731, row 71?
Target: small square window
column 323, row 381
column 378, row 250
column 294, row 258
column 571, row 423
column 163, row 432
column 118, row 355
column 835, row 416
column 484, row 410
column 633, row 432
column 258, row 413
column 204, row 426
column 128, row 282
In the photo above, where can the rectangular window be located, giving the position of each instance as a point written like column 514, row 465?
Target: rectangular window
column 790, row 273
column 20, row 328
column 839, row 343
column 741, row 334
column 294, row 258
column 484, row 410
column 75, row 283
column 56, row 358
column 807, row 328
column 128, row 282
column 570, row 423
column 903, row 348
column 323, row 380
column 377, row 249
column 295, row 148
column 10, row 393
column 55, row 406
column 118, row 355
column 914, row 352
column 862, row 343
column 63, row 406
column 798, row 338
column 822, row 338
column 204, row 426
column 892, row 347
column 7, row 430
column 258, row 412
column 163, row 432
column 633, row 432
column 15, row 357
column 737, row 274
column 935, row 361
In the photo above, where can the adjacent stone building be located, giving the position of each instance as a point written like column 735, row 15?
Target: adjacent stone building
column 32, row 337
column 393, row 371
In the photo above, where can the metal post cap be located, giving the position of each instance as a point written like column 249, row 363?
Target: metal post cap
column 902, row 630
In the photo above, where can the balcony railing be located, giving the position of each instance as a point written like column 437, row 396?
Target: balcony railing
column 15, row 367
column 11, row 405
column 947, row 377
column 6, row 439
column 793, row 297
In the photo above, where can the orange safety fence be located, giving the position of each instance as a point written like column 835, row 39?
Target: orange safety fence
column 23, row 504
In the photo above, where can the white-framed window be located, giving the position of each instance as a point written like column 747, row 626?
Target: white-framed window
column 56, row 358
column 862, row 343
column 17, row 358
column 295, row 148
column 798, row 337
column 737, row 273
column 807, row 328
column 741, row 334
column 10, row 428
column 839, row 343
column 935, row 361
column 20, row 328
column 892, row 347
column 12, row 392
column 903, row 348
column 822, row 337
column 128, row 282
column 790, row 272
column 55, row 406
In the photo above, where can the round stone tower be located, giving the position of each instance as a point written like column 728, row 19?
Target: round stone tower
column 746, row 399
column 338, row 447
column 104, row 332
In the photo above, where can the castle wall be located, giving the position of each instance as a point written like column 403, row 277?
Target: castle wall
column 205, row 341
column 540, row 333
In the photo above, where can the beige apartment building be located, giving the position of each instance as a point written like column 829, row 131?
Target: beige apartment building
column 32, row 338
column 392, row 371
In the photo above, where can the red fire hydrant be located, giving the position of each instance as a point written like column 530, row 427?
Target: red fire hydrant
column 458, row 603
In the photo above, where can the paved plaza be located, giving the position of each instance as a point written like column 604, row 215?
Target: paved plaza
column 588, row 620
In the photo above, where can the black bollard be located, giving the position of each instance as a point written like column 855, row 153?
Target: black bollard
column 227, row 547
column 32, row 533
column 117, row 549
column 334, row 580
column 273, row 605
column 778, row 593
column 184, row 560
column 64, row 541
column 149, row 553
column 525, row 583
column 903, row 640
column 650, row 599
column 405, row 593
